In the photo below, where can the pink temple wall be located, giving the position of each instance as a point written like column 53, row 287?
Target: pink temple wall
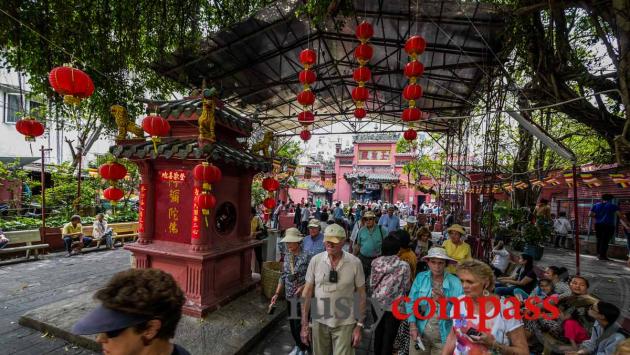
column 297, row 194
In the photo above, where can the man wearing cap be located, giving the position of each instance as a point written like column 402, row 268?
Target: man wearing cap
column 390, row 221
column 138, row 314
column 334, row 277
column 71, row 230
column 456, row 247
column 412, row 228
column 369, row 241
column 314, row 242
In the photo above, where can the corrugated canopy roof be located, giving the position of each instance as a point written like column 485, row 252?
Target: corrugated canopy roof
column 256, row 62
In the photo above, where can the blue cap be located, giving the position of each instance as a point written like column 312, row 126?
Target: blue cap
column 103, row 319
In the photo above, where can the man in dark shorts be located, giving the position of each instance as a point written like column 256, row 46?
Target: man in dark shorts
column 604, row 215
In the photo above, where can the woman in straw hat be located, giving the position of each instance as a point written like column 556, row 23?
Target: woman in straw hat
column 505, row 335
column 434, row 283
column 456, row 247
column 292, row 280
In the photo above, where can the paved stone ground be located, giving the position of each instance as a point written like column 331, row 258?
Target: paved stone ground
column 29, row 285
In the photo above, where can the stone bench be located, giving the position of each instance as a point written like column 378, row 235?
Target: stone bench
column 24, row 237
column 121, row 232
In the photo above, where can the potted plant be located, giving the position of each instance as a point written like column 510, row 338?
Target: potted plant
column 534, row 236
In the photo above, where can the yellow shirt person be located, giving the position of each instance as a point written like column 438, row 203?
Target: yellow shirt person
column 455, row 247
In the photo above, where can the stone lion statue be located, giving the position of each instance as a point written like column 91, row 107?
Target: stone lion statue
column 124, row 123
column 206, row 120
column 263, row 145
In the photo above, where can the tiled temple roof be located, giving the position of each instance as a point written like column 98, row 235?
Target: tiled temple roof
column 188, row 148
column 373, row 177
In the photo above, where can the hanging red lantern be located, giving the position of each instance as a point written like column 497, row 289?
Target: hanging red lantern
column 360, row 112
column 306, row 98
column 411, row 114
column 156, row 126
column 30, row 128
column 410, row 134
column 269, row 203
column 415, row 46
column 360, row 94
column 113, row 194
column 270, row 184
column 306, row 118
column 307, row 77
column 412, row 92
column 206, row 201
column 112, row 171
column 72, row 83
column 305, row 135
column 362, row 75
column 208, row 174
column 308, row 57
column 363, row 53
column 364, row 31
column 413, row 70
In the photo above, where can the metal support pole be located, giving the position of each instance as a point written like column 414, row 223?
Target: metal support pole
column 576, row 228
column 42, row 178
column 78, row 204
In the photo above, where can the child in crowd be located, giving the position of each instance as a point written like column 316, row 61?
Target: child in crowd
column 572, row 330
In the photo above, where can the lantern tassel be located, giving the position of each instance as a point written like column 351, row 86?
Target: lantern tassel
column 154, row 140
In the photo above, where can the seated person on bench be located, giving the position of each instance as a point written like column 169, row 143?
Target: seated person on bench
column 3, row 240
column 72, row 230
column 101, row 230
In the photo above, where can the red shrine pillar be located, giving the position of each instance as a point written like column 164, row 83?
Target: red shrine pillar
column 200, row 233
column 146, row 214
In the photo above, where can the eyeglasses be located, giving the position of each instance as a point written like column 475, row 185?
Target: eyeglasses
column 114, row 333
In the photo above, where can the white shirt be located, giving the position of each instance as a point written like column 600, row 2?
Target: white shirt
column 562, row 226
column 305, row 214
column 501, row 259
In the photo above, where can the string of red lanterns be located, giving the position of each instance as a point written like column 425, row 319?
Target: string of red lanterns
column 207, row 174
column 306, row 98
column 270, row 185
column 414, row 46
column 363, row 53
column 112, row 172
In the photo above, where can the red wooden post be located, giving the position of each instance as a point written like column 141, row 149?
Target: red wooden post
column 199, row 241
column 576, row 228
column 145, row 234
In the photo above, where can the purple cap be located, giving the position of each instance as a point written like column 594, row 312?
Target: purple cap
column 103, row 319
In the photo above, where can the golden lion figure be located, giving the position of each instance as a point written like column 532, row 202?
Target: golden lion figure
column 206, row 120
column 124, row 123
column 263, row 145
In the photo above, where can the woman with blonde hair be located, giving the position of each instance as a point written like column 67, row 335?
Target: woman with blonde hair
column 468, row 336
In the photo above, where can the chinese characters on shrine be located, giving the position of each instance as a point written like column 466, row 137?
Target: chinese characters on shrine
column 195, row 219
column 174, row 179
column 142, row 206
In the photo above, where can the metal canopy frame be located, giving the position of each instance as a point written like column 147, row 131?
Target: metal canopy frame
column 256, row 63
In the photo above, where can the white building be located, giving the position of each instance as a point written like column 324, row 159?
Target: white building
column 13, row 143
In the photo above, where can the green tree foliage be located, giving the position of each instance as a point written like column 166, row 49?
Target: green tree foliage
column 62, row 197
column 290, row 150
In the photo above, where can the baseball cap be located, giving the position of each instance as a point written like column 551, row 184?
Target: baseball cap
column 334, row 233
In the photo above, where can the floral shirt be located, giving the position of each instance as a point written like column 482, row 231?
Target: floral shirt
column 389, row 280
column 294, row 272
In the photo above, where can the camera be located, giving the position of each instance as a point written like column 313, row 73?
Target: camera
column 332, row 277
column 473, row 331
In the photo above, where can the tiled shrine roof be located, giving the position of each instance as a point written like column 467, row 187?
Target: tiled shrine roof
column 373, row 177
column 188, row 148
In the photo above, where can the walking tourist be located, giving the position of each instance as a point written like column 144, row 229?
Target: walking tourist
column 389, row 280
column 507, row 335
column 333, row 278
column 406, row 253
column 456, row 247
column 305, row 215
column 390, row 221
column 604, row 214
column 71, row 230
column 314, row 242
column 500, row 259
column 138, row 314
column 434, row 283
column 292, row 281
column 524, row 278
column 258, row 232
column 3, row 240
column 561, row 228
column 297, row 218
column 275, row 219
column 423, row 246
column 100, row 230
column 369, row 242
column 412, row 228
column 338, row 212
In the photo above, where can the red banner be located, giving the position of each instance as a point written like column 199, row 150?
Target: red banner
column 194, row 233
column 142, row 206
column 173, row 197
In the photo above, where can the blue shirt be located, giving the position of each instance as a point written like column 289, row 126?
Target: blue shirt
column 390, row 223
column 422, row 287
column 338, row 213
column 315, row 245
column 605, row 213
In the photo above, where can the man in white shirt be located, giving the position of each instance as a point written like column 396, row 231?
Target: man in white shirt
column 305, row 215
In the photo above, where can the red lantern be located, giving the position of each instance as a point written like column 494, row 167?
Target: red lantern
column 72, row 83
column 362, row 75
column 307, row 77
column 359, row 112
column 411, row 114
column 360, row 94
column 364, row 31
column 410, row 134
column 308, row 57
column 270, row 184
column 205, row 201
column 306, row 118
column 306, row 98
column 363, row 53
column 30, row 128
column 156, row 126
column 414, row 69
column 305, row 135
column 415, row 46
column 207, row 174
column 269, row 203
column 113, row 194
column 112, row 171
column 412, row 92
